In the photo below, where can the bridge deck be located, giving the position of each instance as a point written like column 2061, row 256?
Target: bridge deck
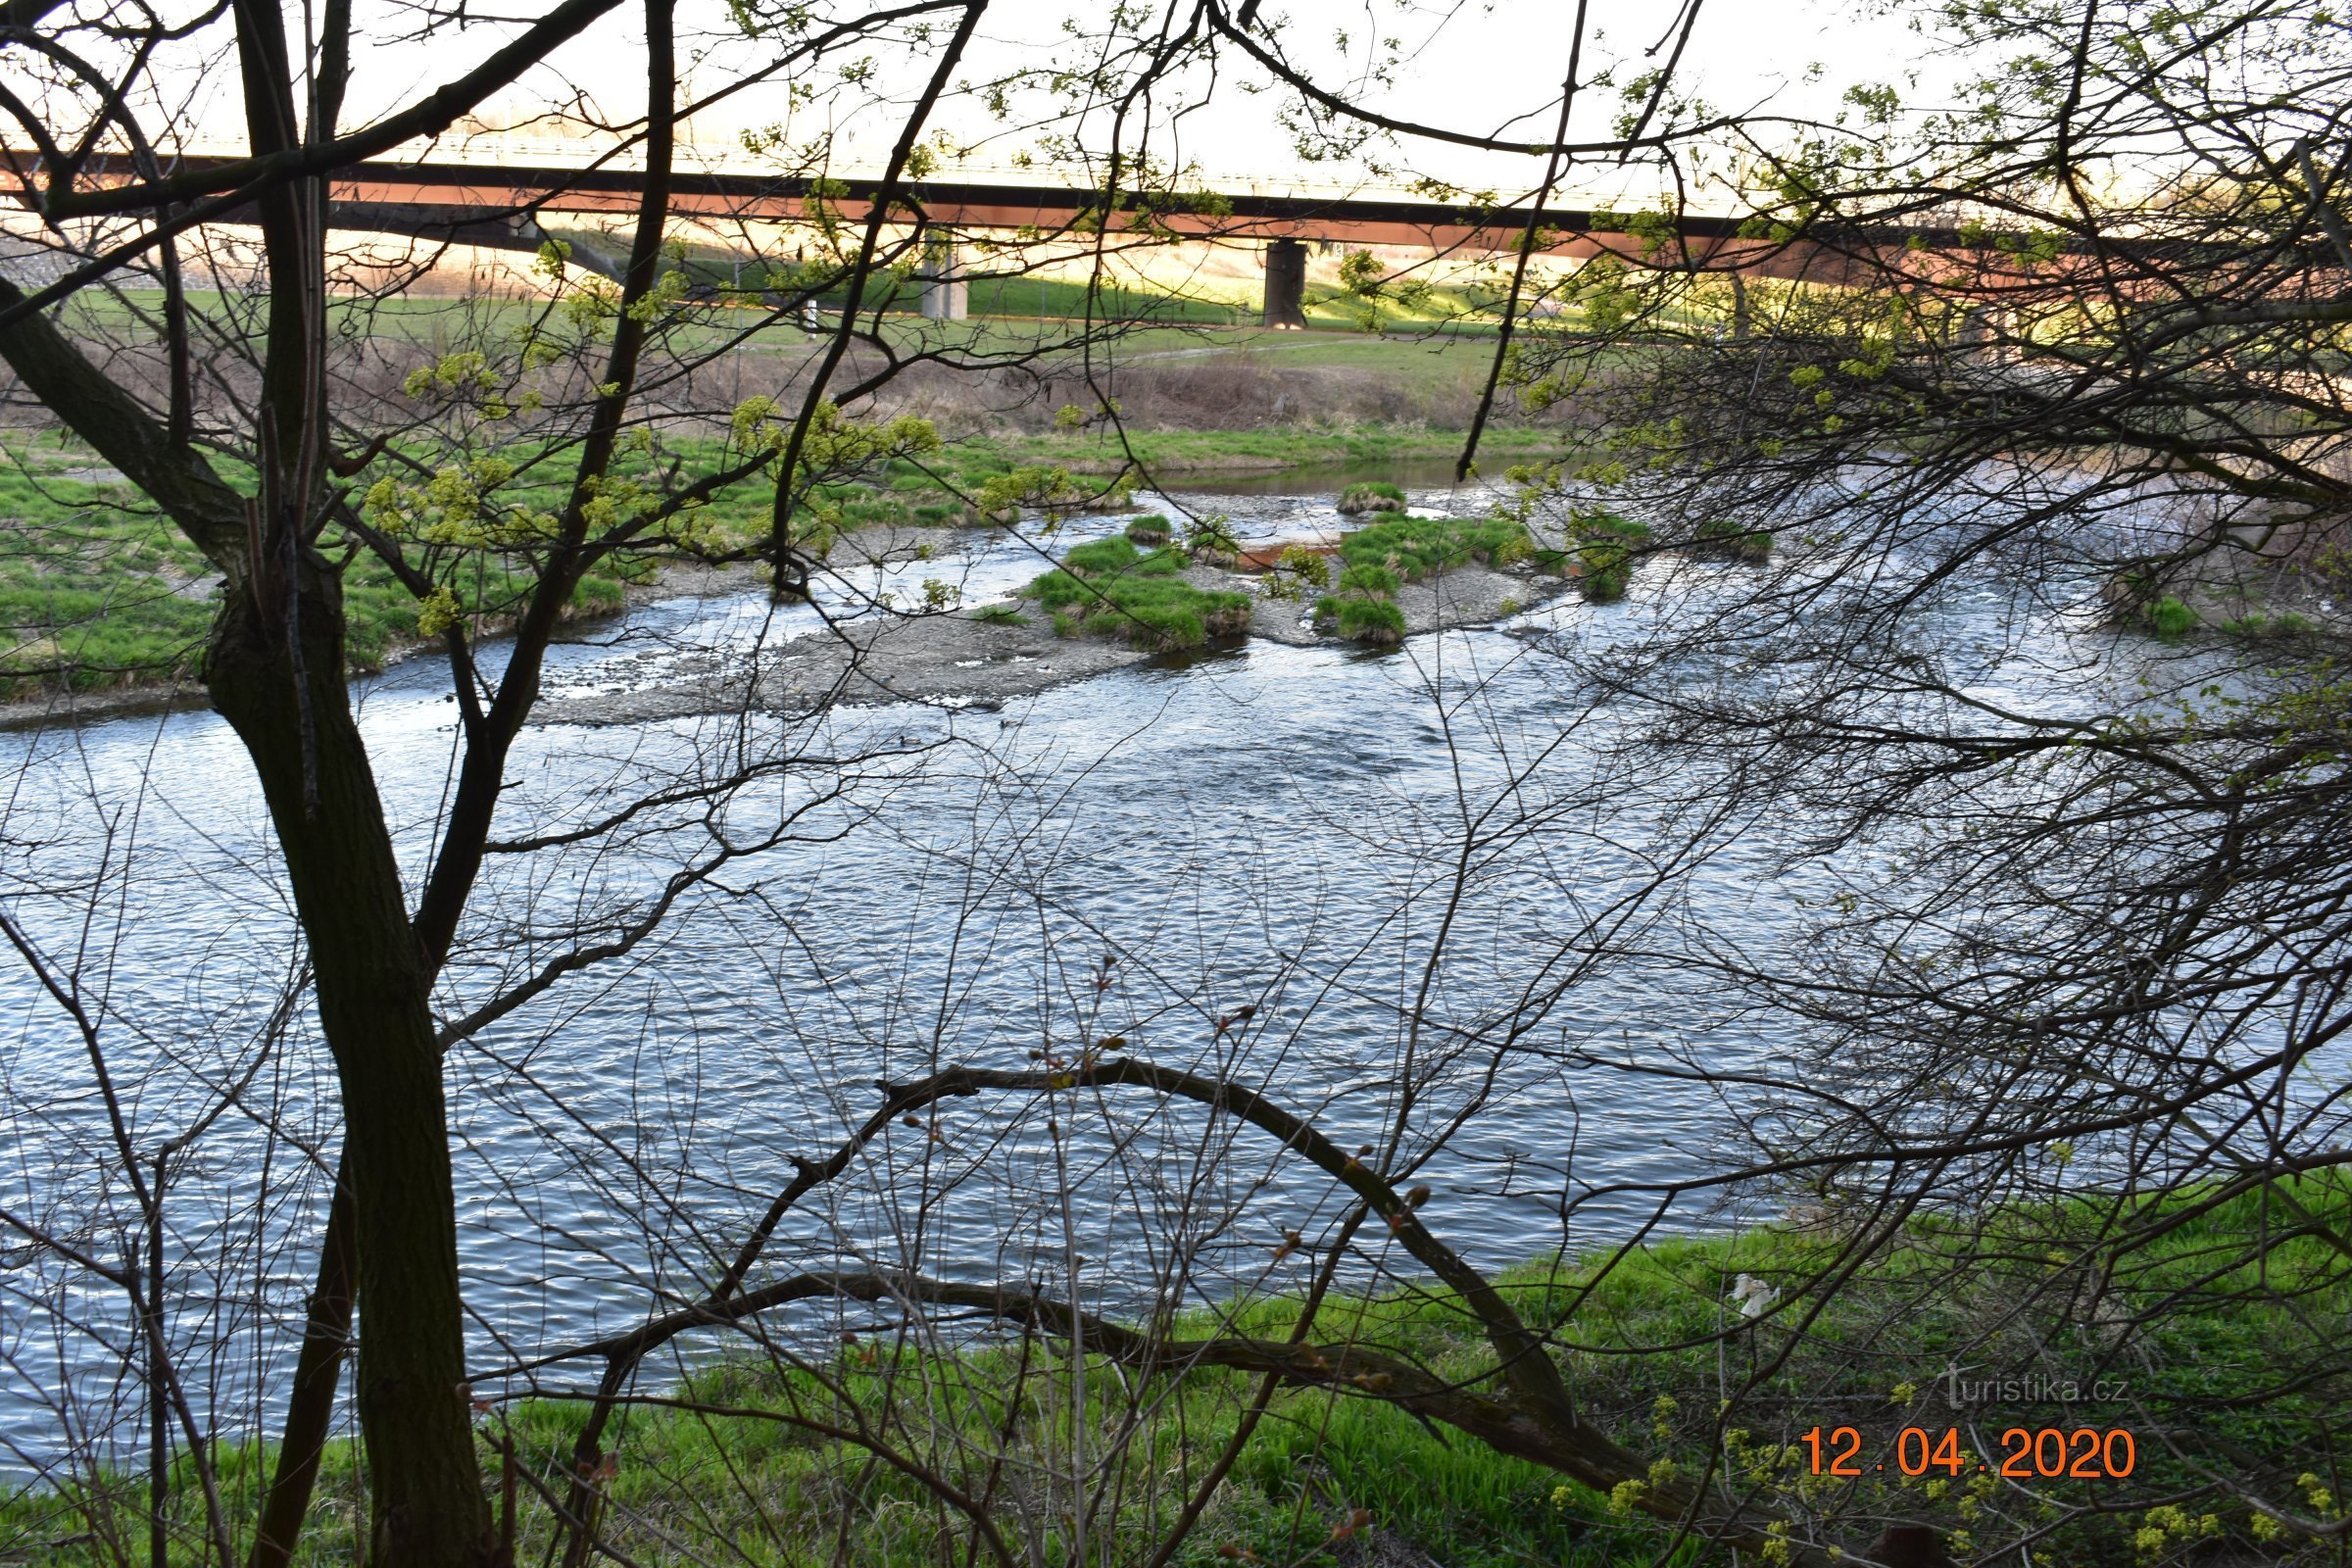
column 479, row 192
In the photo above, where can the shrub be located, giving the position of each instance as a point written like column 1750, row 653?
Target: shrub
column 1211, row 542
column 1520, row 546
column 1002, row 496
column 1722, row 539
column 2169, row 617
column 1608, row 569
column 1603, row 544
column 1374, row 494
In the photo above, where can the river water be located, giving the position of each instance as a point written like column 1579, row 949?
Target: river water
column 1269, row 825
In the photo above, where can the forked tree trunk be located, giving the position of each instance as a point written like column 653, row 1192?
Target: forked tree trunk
column 429, row 1507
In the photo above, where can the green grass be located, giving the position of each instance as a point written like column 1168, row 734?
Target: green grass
column 92, row 585
column 1415, row 548
column 1722, row 539
column 1372, row 495
column 1649, row 1344
column 776, row 1494
column 2261, row 627
column 1026, row 296
column 1362, row 618
column 1395, row 549
column 1447, row 342
column 97, row 590
column 1109, row 588
column 1057, row 299
column 1016, row 297
column 2227, row 1324
column 1306, row 445
column 2169, row 616
column 1362, row 604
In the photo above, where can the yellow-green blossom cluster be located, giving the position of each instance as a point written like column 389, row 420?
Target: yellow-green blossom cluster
column 467, row 372
column 457, row 508
column 835, row 446
column 2164, row 1527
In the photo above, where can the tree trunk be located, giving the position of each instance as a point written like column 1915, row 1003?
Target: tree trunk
column 310, row 1400
column 282, row 614
column 429, row 1509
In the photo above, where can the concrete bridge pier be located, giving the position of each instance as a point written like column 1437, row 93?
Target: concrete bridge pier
column 945, row 292
column 1285, row 285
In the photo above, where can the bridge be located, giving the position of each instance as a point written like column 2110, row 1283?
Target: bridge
column 500, row 204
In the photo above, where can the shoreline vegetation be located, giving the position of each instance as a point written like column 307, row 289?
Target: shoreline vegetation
column 1652, row 1338
column 110, row 618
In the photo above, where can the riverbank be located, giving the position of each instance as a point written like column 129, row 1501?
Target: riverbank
column 1973, row 1325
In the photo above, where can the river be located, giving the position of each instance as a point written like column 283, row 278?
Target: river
column 1269, row 825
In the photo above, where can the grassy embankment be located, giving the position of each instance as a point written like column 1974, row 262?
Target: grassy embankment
column 98, row 591
column 1005, row 314
column 1165, row 294
column 2244, row 1284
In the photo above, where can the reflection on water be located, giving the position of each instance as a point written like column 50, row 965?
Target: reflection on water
column 1270, row 825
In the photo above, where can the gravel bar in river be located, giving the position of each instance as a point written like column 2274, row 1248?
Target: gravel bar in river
column 951, row 660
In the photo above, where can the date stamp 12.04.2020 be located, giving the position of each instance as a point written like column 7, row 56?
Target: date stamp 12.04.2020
column 2026, row 1454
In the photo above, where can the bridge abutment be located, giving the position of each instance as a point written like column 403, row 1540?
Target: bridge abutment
column 1285, row 285
column 945, row 292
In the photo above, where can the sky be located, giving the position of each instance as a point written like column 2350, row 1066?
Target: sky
column 1490, row 67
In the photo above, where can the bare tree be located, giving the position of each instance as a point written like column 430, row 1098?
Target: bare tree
column 2072, row 348
column 244, row 388
column 254, row 426
column 2002, row 536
